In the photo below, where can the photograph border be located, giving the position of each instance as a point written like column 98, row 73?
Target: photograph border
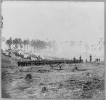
column 62, row 1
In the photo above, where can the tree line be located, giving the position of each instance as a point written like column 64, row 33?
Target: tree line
column 34, row 44
column 39, row 44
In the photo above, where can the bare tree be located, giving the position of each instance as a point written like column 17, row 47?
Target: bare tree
column 20, row 43
column 16, row 42
column 2, row 22
column 25, row 43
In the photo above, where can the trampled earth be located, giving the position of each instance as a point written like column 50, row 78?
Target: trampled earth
column 45, row 82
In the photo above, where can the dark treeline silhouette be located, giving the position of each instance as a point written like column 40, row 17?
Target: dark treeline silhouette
column 34, row 44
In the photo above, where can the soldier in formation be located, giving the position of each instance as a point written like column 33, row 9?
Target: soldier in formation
column 49, row 62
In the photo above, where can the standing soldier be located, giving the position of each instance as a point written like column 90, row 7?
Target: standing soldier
column 18, row 63
column 90, row 58
column 74, row 59
column 80, row 59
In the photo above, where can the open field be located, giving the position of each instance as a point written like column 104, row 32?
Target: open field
column 52, row 50
column 84, row 83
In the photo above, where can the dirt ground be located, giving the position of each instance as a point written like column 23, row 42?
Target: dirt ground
column 86, row 82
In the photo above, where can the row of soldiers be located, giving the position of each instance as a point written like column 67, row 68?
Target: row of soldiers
column 48, row 62
column 90, row 60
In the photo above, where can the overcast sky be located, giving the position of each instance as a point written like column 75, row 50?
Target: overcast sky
column 61, row 21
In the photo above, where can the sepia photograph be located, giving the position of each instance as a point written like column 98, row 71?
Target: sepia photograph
column 52, row 50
